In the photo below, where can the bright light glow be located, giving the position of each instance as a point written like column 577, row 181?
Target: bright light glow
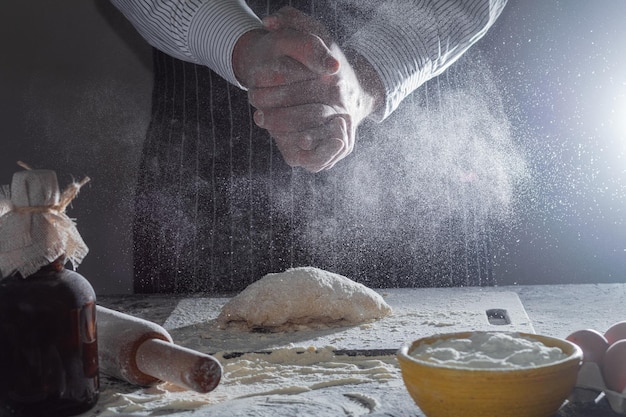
column 617, row 118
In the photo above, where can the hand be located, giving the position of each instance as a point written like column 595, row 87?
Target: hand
column 265, row 59
column 314, row 116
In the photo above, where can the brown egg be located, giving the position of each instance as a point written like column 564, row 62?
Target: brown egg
column 616, row 332
column 592, row 343
column 614, row 366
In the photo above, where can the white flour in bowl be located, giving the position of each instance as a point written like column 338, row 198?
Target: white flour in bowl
column 489, row 350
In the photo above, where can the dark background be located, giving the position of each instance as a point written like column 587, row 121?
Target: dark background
column 75, row 83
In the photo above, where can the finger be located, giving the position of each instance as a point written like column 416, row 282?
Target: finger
column 305, row 141
column 305, row 91
column 289, row 152
column 290, row 17
column 273, row 23
column 279, row 72
column 309, row 140
column 312, row 160
column 315, row 149
column 314, row 52
column 293, row 119
column 308, row 49
column 339, row 125
column 323, row 156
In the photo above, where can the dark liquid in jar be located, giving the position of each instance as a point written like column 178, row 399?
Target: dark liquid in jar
column 48, row 344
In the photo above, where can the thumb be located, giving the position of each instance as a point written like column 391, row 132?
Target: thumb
column 312, row 48
column 289, row 17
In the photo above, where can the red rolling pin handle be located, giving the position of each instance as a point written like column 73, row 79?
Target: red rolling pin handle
column 143, row 353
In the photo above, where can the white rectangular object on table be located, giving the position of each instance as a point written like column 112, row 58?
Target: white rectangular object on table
column 417, row 312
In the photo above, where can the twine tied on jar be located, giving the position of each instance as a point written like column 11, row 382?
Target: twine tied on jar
column 34, row 229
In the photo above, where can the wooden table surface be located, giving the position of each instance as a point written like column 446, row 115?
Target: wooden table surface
column 554, row 310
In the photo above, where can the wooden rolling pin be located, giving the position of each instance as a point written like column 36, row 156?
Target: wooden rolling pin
column 143, row 353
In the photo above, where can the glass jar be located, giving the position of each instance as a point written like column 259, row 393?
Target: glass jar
column 48, row 344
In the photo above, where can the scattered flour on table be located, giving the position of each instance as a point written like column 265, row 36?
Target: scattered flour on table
column 284, row 371
column 303, row 297
column 489, row 350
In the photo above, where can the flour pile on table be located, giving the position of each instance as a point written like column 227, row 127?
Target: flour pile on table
column 303, row 297
column 254, row 377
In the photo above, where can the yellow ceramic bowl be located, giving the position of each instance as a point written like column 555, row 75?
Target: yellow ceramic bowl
column 444, row 391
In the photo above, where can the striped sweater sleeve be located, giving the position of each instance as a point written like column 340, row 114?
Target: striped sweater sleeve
column 409, row 43
column 199, row 31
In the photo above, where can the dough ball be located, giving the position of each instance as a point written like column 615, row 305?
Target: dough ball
column 302, row 297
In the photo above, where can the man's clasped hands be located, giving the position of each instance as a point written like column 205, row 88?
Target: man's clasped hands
column 308, row 94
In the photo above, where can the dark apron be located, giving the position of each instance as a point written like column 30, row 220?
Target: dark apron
column 217, row 208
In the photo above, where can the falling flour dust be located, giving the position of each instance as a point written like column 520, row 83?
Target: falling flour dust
column 444, row 175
